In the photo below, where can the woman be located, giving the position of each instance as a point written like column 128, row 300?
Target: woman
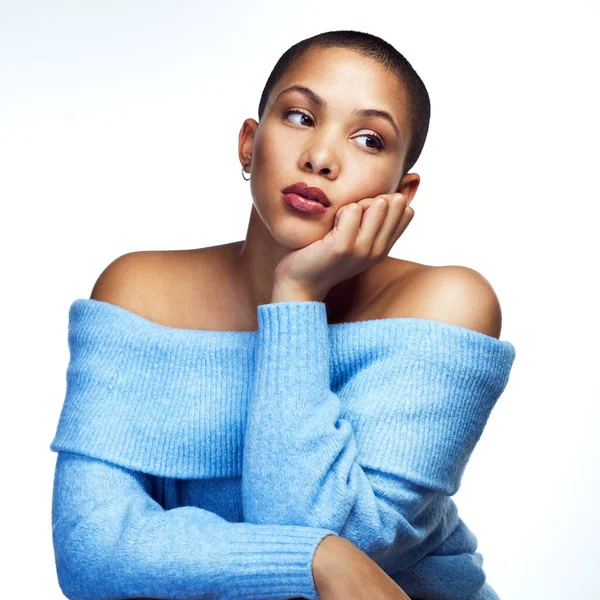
column 285, row 416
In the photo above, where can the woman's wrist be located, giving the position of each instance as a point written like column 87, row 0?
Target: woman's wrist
column 321, row 566
column 286, row 291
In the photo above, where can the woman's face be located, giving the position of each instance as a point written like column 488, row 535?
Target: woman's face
column 317, row 138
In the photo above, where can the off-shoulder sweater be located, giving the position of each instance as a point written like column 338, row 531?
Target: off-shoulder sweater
column 210, row 464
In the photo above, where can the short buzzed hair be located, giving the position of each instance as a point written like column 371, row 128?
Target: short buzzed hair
column 371, row 46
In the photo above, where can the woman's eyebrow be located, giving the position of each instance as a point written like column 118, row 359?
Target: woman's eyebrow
column 321, row 103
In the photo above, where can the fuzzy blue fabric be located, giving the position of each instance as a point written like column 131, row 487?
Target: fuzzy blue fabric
column 210, row 464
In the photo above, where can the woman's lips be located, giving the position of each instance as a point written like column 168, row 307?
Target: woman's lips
column 308, row 191
column 304, row 205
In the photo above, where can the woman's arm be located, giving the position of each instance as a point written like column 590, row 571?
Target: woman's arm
column 375, row 460
column 112, row 540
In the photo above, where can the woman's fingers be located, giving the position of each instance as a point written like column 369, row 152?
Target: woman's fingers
column 397, row 204
column 349, row 222
column 380, row 224
column 372, row 226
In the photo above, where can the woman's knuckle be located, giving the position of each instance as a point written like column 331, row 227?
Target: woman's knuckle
column 343, row 249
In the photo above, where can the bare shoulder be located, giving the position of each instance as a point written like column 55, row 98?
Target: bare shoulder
column 170, row 287
column 453, row 294
column 136, row 281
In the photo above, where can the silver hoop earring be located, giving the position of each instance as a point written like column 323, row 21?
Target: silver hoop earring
column 243, row 174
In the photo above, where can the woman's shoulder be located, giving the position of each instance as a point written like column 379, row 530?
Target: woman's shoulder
column 164, row 286
column 132, row 280
column 452, row 294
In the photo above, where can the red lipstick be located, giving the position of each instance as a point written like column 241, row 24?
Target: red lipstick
column 303, row 198
column 312, row 193
column 303, row 205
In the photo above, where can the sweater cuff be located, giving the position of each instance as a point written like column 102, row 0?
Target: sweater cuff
column 293, row 345
column 274, row 562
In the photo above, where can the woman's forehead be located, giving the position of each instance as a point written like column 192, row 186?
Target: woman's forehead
column 341, row 77
column 338, row 63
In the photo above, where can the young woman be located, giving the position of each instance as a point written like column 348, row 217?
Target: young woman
column 287, row 415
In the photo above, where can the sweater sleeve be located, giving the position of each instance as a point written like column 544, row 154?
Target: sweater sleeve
column 375, row 458
column 113, row 540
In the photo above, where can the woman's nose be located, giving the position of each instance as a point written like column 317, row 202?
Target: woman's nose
column 322, row 166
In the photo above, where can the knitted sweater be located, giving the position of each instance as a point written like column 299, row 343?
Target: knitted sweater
column 210, row 464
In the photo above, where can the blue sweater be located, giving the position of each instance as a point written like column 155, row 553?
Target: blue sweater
column 210, row 464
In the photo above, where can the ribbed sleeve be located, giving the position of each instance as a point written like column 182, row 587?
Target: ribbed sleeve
column 112, row 540
column 376, row 458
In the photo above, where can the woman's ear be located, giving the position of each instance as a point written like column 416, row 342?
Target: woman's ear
column 408, row 186
column 246, row 141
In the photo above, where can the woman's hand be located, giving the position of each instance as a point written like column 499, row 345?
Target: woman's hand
column 363, row 234
column 343, row 572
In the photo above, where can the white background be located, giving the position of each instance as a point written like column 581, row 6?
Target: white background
column 119, row 127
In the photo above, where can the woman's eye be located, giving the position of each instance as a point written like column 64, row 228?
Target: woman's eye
column 378, row 142
column 297, row 112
